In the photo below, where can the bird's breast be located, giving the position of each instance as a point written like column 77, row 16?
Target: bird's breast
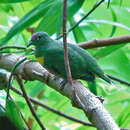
column 40, row 60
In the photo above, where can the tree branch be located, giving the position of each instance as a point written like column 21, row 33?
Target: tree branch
column 82, row 98
column 3, row 84
column 21, row 114
column 96, row 44
column 82, row 19
column 105, row 42
column 90, row 44
column 30, row 119
column 12, row 47
column 66, row 58
column 29, row 103
column 37, row 102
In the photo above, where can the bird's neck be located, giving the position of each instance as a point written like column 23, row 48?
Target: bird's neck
column 40, row 49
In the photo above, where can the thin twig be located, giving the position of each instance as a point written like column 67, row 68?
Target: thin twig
column 74, row 26
column 37, row 102
column 55, row 111
column 118, row 80
column 90, row 44
column 29, row 128
column 30, row 120
column 13, row 47
column 105, row 42
column 30, row 29
column 29, row 103
column 81, row 20
column 12, row 73
column 67, row 65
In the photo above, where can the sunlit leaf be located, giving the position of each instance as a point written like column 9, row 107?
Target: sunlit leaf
column 12, row 1
column 78, row 33
column 13, row 114
column 110, row 23
column 115, row 20
column 49, row 24
column 124, row 117
column 29, row 19
column 107, row 51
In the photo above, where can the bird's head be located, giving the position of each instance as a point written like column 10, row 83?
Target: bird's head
column 39, row 38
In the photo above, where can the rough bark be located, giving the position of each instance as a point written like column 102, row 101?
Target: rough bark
column 79, row 95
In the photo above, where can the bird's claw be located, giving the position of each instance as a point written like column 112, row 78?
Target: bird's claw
column 100, row 98
column 62, row 84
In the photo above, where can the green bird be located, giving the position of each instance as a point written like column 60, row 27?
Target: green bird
column 50, row 54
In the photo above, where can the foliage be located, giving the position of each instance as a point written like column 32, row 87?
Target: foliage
column 18, row 16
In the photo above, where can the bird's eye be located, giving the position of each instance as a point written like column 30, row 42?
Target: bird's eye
column 39, row 37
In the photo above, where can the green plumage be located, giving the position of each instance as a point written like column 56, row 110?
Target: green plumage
column 82, row 64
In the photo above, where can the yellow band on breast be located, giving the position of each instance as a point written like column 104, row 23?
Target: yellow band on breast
column 40, row 60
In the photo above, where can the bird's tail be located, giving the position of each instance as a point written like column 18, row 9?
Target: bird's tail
column 107, row 79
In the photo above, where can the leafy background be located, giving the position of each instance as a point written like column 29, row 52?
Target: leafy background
column 17, row 16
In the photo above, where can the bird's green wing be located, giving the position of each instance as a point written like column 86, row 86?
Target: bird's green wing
column 54, row 61
column 90, row 63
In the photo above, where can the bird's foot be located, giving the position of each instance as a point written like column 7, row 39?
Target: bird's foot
column 100, row 98
column 62, row 84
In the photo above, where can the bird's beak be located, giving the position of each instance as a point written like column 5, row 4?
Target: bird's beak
column 30, row 43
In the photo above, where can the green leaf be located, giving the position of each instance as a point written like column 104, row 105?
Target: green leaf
column 111, row 23
column 27, row 20
column 5, row 7
column 13, row 114
column 83, row 127
column 52, row 20
column 12, row 1
column 31, row 57
column 78, row 33
column 73, row 6
column 36, row 89
column 117, row 63
column 121, row 3
column 114, row 19
column 107, row 51
column 95, row 28
column 124, row 118
column 48, row 23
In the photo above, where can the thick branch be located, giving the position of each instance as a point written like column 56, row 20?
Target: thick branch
column 91, row 44
column 4, row 78
column 105, row 42
column 37, row 102
column 82, row 98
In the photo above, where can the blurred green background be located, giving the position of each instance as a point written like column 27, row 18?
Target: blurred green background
column 18, row 18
